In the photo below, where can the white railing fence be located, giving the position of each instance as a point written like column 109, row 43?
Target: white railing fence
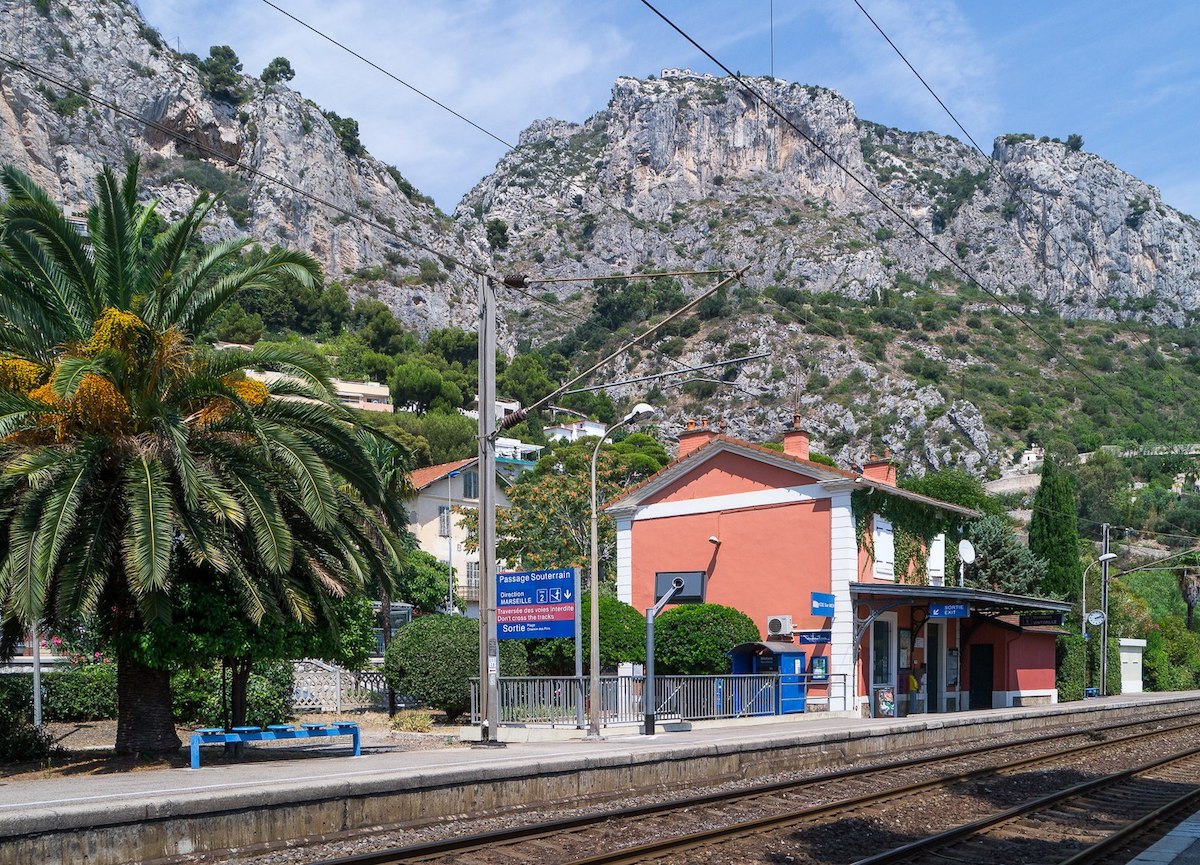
column 324, row 687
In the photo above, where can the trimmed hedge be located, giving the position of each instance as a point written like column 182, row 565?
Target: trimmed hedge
column 87, row 693
column 695, row 639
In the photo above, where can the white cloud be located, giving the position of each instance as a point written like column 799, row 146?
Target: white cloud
column 938, row 41
column 501, row 65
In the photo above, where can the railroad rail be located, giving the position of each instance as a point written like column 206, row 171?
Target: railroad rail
column 652, row 832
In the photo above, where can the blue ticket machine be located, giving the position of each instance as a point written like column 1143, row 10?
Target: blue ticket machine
column 786, row 660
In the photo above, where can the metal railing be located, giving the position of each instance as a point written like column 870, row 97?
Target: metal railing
column 564, row 701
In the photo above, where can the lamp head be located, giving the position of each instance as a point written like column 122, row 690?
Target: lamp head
column 640, row 412
column 1107, row 557
column 714, row 540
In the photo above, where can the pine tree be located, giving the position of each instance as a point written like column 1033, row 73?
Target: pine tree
column 1054, row 533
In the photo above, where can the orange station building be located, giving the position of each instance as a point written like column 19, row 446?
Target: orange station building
column 774, row 534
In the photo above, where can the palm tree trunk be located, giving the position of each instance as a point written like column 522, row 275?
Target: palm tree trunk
column 144, row 722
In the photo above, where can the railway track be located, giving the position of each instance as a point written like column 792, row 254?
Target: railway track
column 667, row 831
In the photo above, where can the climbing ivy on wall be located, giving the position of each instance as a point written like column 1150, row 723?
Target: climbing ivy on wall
column 914, row 526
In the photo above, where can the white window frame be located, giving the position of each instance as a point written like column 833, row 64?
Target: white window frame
column 443, row 521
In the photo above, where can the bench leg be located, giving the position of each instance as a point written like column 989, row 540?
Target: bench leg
column 357, row 750
column 195, row 752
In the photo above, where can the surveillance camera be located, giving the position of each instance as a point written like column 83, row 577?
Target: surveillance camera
column 677, row 583
column 713, row 539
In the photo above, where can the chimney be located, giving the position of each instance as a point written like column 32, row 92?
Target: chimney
column 693, row 438
column 795, row 439
column 881, row 470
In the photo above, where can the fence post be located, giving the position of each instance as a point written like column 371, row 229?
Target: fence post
column 338, row 683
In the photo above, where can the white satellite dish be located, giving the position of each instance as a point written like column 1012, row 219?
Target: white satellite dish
column 966, row 551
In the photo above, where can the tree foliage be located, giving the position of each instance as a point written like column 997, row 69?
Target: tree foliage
column 548, row 522
column 424, row 582
column 1054, row 533
column 695, row 639
column 128, row 450
column 220, row 74
column 1002, row 563
column 277, row 71
column 434, row 658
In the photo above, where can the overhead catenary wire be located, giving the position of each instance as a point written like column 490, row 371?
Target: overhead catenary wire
column 886, row 204
column 606, row 204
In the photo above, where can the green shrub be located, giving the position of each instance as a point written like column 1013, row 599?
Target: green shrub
column 198, row 699
column 20, row 741
column 1071, row 662
column 695, row 639
column 84, row 693
column 434, row 658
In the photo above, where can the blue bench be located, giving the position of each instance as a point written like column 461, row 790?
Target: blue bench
column 275, row 732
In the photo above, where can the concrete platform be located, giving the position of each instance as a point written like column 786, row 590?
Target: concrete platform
column 156, row 815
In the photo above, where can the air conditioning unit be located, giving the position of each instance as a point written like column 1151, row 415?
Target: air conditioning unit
column 779, row 626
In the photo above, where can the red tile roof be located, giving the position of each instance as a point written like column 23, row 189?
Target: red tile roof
column 422, row 478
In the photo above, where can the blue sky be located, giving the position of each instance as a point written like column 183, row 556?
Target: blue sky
column 1124, row 75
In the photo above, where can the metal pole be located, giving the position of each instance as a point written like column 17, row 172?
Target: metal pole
column 579, row 699
column 594, row 612
column 489, row 646
column 37, row 677
column 649, row 701
column 450, row 540
column 1104, row 626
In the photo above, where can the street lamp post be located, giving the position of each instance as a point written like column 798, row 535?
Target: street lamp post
column 640, row 412
column 450, row 538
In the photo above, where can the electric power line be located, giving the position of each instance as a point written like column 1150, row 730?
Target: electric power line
column 996, row 170
column 236, row 163
column 886, row 204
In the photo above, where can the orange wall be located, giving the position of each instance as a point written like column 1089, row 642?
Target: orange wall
column 726, row 474
column 769, row 561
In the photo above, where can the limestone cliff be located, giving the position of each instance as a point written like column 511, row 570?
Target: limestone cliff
column 106, row 47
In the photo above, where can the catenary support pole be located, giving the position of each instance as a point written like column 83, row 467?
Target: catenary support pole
column 489, row 647
column 1104, row 605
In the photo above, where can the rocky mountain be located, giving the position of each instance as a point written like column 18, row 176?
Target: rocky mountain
column 682, row 170
column 874, row 335
column 689, row 171
column 106, row 47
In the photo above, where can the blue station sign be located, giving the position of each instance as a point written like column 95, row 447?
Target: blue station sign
column 822, row 604
column 814, row 638
column 949, row 611
column 537, row 604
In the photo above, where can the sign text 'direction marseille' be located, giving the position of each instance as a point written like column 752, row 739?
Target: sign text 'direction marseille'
column 536, row 603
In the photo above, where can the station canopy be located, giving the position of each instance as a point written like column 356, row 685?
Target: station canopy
column 892, row 595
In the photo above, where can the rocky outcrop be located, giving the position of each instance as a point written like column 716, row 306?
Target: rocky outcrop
column 62, row 140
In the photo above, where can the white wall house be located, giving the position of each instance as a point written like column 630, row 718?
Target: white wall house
column 574, row 430
column 440, row 490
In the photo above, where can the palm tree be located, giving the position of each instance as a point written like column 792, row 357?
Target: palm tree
column 125, row 448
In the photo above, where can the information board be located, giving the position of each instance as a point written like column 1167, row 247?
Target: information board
column 822, row 604
column 537, row 604
column 949, row 611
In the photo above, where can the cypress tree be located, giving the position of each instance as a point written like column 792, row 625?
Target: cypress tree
column 1054, row 533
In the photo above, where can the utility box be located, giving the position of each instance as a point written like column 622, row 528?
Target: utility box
column 786, row 660
column 1131, row 665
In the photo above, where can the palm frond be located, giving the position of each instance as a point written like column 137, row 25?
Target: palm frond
column 149, row 525
column 273, row 539
column 266, row 274
column 110, row 223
